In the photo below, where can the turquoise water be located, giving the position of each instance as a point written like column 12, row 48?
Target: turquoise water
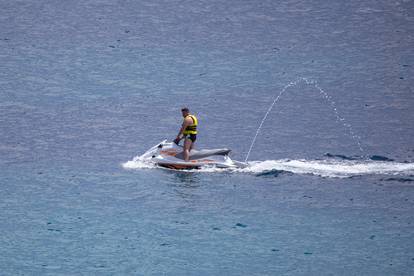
column 87, row 86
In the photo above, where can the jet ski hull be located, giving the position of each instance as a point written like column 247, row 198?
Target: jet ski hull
column 169, row 155
column 175, row 166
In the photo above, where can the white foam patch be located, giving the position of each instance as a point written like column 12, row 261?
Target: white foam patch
column 138, row 163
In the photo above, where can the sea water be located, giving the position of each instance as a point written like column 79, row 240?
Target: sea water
column 87, row 86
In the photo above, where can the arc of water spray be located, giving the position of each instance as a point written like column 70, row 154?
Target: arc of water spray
column 267, row 113
column 323, row 93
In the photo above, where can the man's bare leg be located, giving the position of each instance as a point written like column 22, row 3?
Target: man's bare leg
column 188, row 145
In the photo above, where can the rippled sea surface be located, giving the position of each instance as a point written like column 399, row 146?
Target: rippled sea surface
column 87, row 86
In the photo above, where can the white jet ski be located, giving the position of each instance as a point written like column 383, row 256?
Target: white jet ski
column 169, row 155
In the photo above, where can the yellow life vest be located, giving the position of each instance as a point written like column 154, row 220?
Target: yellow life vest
column 191, row 129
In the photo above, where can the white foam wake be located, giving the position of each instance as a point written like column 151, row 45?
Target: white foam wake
column 323, row 168
column 331, row 168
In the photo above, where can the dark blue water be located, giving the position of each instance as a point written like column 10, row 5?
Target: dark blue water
column 86, row 86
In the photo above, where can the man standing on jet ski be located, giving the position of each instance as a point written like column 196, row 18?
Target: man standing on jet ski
column 188, row 132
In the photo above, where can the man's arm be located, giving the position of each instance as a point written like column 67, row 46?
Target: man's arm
column 180, row 135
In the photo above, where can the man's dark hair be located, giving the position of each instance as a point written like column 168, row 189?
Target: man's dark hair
column 185, row 109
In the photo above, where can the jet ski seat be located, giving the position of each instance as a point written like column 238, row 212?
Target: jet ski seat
column 197, row 154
